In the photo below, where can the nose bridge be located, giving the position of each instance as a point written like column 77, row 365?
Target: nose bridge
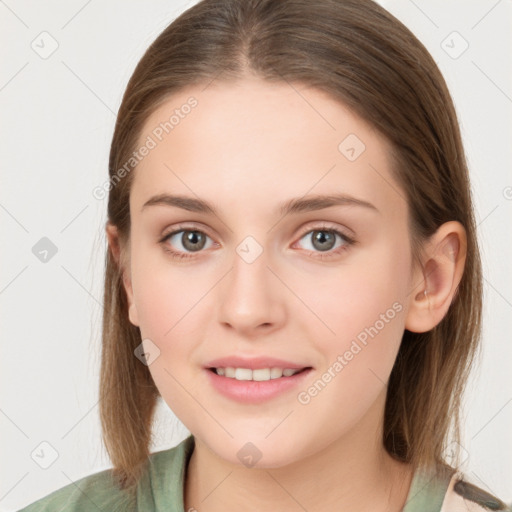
column 250, row 295
column 249, row 277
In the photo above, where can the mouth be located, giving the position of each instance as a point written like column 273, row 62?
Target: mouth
column 256, row 386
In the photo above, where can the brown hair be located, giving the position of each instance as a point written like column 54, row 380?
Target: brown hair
column 361, row 55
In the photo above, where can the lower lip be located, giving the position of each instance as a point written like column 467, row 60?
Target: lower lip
column 255, row 392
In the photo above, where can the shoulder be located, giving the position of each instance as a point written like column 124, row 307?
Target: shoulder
column 463, row 495
column 162, row 479
column 91, row 493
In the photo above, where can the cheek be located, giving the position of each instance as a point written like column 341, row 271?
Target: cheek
column 164, row 292
column 363, row 306
column 173, row 306
column 168, row 303
column 353, row 297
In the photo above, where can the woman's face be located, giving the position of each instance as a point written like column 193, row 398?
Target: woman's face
column 262, row 280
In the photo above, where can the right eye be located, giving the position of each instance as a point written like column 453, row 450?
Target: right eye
column 186, row 239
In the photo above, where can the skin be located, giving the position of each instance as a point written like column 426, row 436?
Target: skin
column 247, row 147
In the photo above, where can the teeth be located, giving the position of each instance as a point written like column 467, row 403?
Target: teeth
column 261, row 374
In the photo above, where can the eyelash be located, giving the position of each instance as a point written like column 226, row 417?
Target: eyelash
column 348, row 241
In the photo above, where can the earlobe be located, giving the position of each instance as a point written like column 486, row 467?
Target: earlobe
column 133, row 315
column 437, row 281
column 132, row 308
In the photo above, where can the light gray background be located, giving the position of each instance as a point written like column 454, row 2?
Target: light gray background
column 57, row 119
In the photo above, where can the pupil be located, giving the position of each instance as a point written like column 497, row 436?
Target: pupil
column 321, row 237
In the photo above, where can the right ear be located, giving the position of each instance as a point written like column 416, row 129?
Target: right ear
column 115, row 249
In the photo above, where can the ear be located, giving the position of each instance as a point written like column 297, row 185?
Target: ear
column 116, row 251
column 435, row 284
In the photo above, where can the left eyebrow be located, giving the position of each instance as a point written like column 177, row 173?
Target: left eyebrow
column 294, row 205
column 319, row 202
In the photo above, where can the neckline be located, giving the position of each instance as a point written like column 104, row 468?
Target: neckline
column 428, row 489
column 426, row 493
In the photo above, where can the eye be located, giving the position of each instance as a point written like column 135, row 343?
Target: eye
column 323, row 240
column 186, row 240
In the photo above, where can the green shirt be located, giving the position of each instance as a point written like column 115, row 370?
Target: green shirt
column 162, row 485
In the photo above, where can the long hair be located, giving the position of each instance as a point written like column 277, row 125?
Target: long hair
column 364, row 57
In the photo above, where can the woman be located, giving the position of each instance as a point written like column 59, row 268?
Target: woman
column 252, row 138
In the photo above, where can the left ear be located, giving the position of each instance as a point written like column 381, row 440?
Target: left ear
column 435, row 284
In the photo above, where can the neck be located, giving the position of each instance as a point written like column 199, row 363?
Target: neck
column 353, row 473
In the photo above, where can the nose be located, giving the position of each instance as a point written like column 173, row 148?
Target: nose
column 251, row 296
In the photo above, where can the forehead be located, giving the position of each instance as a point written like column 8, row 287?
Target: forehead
column 253, row 138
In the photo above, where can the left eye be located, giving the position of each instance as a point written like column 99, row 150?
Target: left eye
column 324, row 240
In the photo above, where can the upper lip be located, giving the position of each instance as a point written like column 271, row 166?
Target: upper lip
column 253, row 363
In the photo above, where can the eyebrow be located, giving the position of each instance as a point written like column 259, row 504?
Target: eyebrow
column 295, row 205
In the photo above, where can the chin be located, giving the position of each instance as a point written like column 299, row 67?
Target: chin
column 256, row 451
